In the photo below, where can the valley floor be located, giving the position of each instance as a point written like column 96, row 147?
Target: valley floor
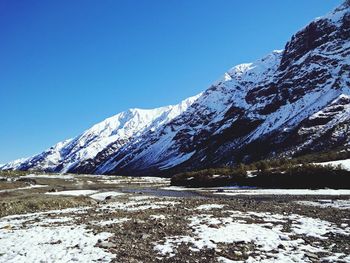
column 68, row 218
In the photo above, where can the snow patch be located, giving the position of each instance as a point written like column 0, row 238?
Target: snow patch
column 52, row 244
column 337, row 204
column 345, row 164
column 49, row 176
column 332, row 192
column 210, row 207
column 102, row 196
column 267, row 236
column 73, row 192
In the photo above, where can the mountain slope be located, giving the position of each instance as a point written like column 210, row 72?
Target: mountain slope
column 290, row 102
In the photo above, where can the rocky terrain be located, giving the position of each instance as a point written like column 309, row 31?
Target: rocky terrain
column 86, row 218
column 291, row 102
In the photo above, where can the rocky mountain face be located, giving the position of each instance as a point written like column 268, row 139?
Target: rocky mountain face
column 290, row 102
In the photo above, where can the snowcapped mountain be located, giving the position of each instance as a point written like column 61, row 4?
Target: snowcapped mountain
column 116, row 130
column 292, row 101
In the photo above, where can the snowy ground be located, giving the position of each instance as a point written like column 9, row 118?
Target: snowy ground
column 94, row 194
column 266, row 234
column 49, row 237
column 73, row 192
column 49, row 176
column 114, row 225
column 237, row 191
column 285, row 192
column 59, row 235
column 103, row 195
column 325, row 203
column 345, row 164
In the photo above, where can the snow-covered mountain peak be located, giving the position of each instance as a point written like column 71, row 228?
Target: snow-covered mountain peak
column 255, row 71
column 135, row 120
column 118, row 130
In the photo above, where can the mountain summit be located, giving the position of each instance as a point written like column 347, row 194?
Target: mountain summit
column 293, row 101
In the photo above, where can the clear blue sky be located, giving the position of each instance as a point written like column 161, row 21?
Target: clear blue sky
column 66, row 65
